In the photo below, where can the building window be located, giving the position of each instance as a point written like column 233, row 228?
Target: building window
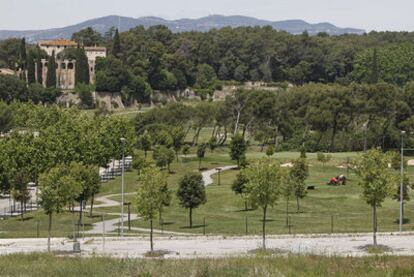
column 70, row 65
column 63, row 65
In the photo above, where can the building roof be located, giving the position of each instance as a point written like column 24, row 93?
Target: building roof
column 7, row 71
column 95, row 48
column 58, row 42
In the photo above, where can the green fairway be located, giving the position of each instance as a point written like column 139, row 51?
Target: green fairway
column 307, row 266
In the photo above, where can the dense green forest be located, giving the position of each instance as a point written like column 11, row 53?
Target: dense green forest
column 170, row 61
column 349, row 92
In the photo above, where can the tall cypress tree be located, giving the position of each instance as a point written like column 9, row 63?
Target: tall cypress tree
column 22, row 54
column 116, row 46
column 39, row 70
column 82, row 67
column 51, row 72
column 31, row 75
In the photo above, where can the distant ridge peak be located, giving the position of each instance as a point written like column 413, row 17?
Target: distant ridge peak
column 203, row 24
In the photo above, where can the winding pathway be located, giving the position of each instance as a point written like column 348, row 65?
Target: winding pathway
column 112, row 225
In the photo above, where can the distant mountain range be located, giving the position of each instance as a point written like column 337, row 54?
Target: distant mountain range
column 181, row 25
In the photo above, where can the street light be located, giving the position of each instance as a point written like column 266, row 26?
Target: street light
column 402, row 181
column 122, row 191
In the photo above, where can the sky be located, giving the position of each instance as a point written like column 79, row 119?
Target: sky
column 392, row 15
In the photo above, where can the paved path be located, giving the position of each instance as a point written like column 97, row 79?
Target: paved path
column 201, row 247
column 208, row 173
column 111, row 225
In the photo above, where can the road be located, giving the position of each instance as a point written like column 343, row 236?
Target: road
column 202, row 247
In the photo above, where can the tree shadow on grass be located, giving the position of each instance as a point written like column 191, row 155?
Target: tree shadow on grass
column 27, row 218
column 167, row 223
column 198, row 226
column 405, row 221
column 244, row 210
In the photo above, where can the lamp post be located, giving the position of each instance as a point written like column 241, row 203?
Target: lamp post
column 122, row 189
column 402, row 181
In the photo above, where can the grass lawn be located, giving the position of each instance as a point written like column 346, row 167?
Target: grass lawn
column 224, row 212
column 63, row 225
column 261, row 265
column 325, row 207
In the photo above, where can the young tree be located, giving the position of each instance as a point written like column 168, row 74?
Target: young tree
column 238, row 148
column 51, row 72
column 186, row 150
column 322, row 158
column 20, row 191
column 201, row 152
column 191, row 193
column 376, row 180
column 145, row 142
column 151, row 196
column 89, row 180
column 239, row 187
column 59, row 189
column 270, row 151
column 297, row 176
column 263, row 187
column 163, row 157
column 288, row 189
column 212, row 143
column 178, row 137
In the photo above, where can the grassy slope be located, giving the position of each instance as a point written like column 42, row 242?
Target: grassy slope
column 309, row 266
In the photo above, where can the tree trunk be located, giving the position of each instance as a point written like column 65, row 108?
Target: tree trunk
column 297, row 204
column 287, row 212
column 145, row 153
column 245, row 205
column 21, row 209
column 374, row 224
column 151, row 237
column 80, row 216
column 160, row 216
column 92, row 200
column 49, row 231
column 191, row 217
column 195, row 138
column 236, row 126
column 264, row 227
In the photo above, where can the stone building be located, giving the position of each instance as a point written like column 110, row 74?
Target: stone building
column 65, row 68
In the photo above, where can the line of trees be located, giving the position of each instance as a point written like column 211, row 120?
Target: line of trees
column 60, row 150
column 312, row 117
